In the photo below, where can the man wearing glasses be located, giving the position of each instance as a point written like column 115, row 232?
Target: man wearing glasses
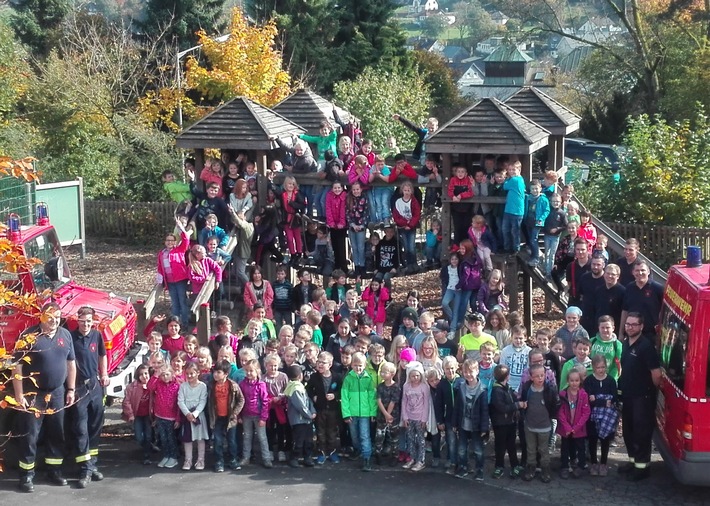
column 640, row 377
column 87, row 414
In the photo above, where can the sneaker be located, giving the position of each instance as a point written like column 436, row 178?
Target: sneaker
column 282, row 456
column 479, row 475
column 293, row 463
column 529, row 473
column 408, row 464
column 594, row 470
column 564, row 473
column 462, row 472
column 366, row 465
column 577, row 472
column 171, row 463
column 334, row 457
column 498, row 473
column 320, row 459
column 187, row 465
column 639, row 474
column 244, row 461
column 162, row 462
column 268, row 464
column 451, row 470
column 418, row 467
column 545, row 476
column 517, row 472
column 200, row 465
column 219, row 467
column 603, row 470
column 234, row 465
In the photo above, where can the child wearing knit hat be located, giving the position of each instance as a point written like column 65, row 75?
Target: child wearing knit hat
column 416, row 403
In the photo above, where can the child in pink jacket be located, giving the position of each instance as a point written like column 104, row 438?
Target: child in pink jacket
column 572, row 424
column 335, row 206
column 376, row 297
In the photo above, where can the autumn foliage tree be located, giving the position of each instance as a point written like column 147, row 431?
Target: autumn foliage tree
column 246, row 64
column 11, row 263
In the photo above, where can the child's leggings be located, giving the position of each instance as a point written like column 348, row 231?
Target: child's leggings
column 293, row 240
column 416, row 440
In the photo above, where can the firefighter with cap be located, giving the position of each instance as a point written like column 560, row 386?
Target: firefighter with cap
column 87, row 414
column 44, row 383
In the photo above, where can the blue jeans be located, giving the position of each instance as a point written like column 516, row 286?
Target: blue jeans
column 307, row 191
column 357, row 243
column 433, row 254
column 410, row 248
column 144, row 434
column 221, row 435
column 251, row 425
column 533, row 233
column 166, row 436
column 319, row 200
column 476, row 441
column 511, row 232
column 178, row 301
column 450, row 303
column 360, row 434
column 468, row 298
column 380, row 204
column 451, row 444
column 551, row 244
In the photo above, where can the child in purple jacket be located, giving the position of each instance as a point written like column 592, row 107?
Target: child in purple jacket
column 255, row 413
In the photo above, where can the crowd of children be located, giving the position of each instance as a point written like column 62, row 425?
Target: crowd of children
column 316, row 377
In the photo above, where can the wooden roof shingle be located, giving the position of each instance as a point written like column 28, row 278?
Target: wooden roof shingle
column 238, row 124
column 308, row 109
column 544, row 110
column 489, row 126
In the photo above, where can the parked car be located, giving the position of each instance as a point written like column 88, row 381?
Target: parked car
column 588, row 152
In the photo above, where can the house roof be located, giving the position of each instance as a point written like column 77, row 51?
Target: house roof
column 484, row 91
column 544, row 110
column 571, row 62
column 489, row 126
column 451, row 52
column 508, row 54
column 238, row 124
column 308, row 109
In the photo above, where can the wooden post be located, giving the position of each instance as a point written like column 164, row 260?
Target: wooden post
column 560, row 151
column 528, row 302
column 262, row 163
column 204, row 324
column 526, row 172
column 553, row 163
column 511, row 281
column 199, row 160
column 445, row 205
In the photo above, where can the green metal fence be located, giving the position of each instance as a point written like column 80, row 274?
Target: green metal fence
column 17, row 196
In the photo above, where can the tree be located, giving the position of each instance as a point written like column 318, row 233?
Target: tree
column 664, row 174
column 640, row 53
column 446, row 101
column 434, row 26
column 367, row 37
column 376, row 94
column 473, row 22
column 83, row 103
column 37, row 22
column 246, row 64
column 182, row 19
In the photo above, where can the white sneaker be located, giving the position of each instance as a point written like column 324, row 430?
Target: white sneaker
column 408, row 464
column 418, row 466
column 171, row 463
column 282, row 457
column 163, row 462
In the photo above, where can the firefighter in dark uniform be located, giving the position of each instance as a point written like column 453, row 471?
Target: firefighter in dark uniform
column 638, row 383
column 87, row 414
column 50, row 363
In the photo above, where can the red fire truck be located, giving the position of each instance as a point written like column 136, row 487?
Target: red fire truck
column 116, row 315
column 683, row 409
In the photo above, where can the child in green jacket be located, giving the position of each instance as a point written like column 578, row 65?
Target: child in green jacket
column 358, row 403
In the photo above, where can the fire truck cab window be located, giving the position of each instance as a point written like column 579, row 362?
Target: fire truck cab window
column 674, row 341
column 53, row 272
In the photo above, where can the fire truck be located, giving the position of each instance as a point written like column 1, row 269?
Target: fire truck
column 115, row 314
column 683, row 402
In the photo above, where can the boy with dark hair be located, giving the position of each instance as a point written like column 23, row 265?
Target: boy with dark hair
column 282, row 299
column 324, row 390
column 225, row 404
column 388, row 256
column 514, row 208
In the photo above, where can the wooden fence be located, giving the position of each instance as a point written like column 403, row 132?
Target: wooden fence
column 663, row 244
column 136, row 222
column 149, row 221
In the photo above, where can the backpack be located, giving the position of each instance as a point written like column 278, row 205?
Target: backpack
column 470, row 277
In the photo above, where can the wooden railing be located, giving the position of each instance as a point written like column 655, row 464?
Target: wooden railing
column 134, row 221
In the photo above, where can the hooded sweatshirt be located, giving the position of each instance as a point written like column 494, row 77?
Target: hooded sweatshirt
column 517, row 361
column 300, row 407
column 416, row 400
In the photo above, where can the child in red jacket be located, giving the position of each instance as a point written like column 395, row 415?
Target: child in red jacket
column 572, row 424
column 406, row 214
column 335, row 204
column 460, row 188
